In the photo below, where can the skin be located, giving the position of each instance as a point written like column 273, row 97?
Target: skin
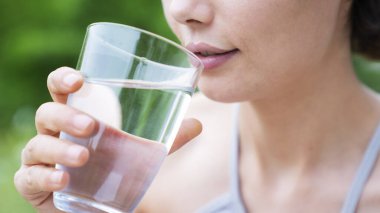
column 304, row 119
column 37, row 177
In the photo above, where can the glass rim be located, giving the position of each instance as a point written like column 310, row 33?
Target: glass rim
column 182, row 48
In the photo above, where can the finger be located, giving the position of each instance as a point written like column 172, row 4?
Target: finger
column 63, row 81
column 190, row 128
column 51, row 118
column 44, row 149
column 38, row 178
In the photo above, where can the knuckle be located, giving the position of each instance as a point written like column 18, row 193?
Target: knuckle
column 51, row 76
column 35, row 179
column 29, row 150
column 29, row 183
column 51, row 80
column 16, row 178
column 41, row 112
column 59, row 71
column 55, row 76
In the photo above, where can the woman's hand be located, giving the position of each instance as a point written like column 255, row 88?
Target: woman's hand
column 37, row 177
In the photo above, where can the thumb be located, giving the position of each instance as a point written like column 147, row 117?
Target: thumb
column 190, row 128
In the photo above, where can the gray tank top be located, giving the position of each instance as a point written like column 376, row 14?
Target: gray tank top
column 231, row 201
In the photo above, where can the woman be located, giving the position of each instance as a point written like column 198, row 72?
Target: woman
column 301, row 127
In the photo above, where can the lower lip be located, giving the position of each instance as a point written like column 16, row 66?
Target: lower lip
column 211, row 62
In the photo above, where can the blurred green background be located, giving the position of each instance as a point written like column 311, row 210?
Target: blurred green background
column 39, row 36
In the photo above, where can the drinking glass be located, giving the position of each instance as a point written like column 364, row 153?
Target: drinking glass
column 138, row 86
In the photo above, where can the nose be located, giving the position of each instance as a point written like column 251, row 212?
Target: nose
column 191, row 12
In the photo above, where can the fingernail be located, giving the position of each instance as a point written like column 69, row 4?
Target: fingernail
column 70, row 79
column 74, row 153
column 56, row 177
column 82, row 122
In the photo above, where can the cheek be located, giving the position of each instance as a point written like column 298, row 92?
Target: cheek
column 284, row 42
column 285, row 36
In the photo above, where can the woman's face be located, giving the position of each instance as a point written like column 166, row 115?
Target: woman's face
column 262, row 46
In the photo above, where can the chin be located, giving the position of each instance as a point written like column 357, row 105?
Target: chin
column 221, row 94
column 232, row 90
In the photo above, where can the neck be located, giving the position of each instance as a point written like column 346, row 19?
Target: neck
column 310, row 124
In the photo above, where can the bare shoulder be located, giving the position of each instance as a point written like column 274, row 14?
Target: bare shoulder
column 197, row 172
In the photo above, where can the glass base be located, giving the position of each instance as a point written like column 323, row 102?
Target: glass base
column 74, row 204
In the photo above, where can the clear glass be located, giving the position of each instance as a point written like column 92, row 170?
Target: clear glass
column 138, row 86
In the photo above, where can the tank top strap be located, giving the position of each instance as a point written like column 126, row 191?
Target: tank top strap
column 230, row 201
column 363, row 173
column 234, row 163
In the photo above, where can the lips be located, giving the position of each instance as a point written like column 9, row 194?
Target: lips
column 210, row 56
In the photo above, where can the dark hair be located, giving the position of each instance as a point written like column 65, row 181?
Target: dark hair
column 365, row 27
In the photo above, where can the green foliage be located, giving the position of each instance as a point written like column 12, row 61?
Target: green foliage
column 12, row 142
column 368, row 72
